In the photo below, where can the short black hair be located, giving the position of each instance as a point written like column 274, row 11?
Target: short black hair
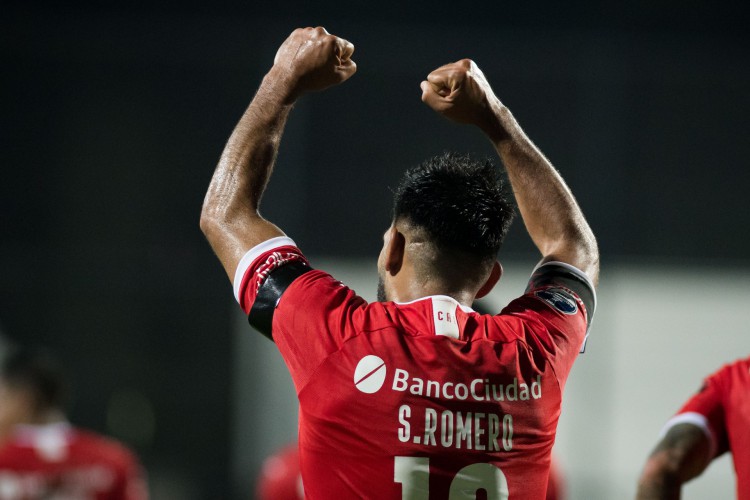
column 39, row 373
column 463, row 204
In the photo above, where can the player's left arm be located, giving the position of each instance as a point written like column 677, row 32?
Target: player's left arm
column 682, row 454
column 569, row 269
column 460, row 92
column 310, row 59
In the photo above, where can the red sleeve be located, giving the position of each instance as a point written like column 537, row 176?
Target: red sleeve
column 135, row 482
column 259, row 263
column 129, row 476
column 556, row 311
column 313, row 319
column 706, row 410
column 306, row 312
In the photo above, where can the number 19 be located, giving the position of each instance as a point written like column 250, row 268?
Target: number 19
column 413, row 473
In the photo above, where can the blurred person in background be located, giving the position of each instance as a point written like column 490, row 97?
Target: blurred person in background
column 556, row 483
column 280, row 477
column 714, row 421
column 41, row 454
column 416, row 395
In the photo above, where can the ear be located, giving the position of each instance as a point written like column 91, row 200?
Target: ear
column 497, row 271
column 394, row 251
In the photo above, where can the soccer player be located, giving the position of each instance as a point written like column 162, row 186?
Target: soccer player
column 712, row 422
column 413, row 396
column 42, row 455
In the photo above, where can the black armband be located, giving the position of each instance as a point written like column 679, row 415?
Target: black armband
column 558, row 274
column 269, row 294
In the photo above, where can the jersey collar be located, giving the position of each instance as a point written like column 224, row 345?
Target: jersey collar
column 430, row 297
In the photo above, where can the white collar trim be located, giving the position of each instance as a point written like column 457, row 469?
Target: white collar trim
column 463, row 307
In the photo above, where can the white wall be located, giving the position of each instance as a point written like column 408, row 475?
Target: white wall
column 657, row 332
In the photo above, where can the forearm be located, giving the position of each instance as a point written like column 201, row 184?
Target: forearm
column 310, row 59
column 551, row 214
column 658, row 485
column 230, row 218
column 682, row 454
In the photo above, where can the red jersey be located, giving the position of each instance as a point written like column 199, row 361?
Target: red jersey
column 61, row 462
column 280, row 478
column 426, row 399
column 722, row 409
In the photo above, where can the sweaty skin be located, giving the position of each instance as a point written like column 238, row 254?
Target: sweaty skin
column 311, row 59
column 460, row 92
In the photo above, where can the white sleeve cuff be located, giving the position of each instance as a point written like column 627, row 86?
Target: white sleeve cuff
column 254, row 253
column 695, row 419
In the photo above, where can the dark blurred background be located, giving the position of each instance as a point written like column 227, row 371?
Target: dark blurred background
column 113, row 119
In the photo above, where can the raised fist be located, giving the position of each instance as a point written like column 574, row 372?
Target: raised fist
column 312, row 59
column 459, row 91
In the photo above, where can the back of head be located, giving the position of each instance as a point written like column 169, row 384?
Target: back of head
column 37, row 374
column 461, row 205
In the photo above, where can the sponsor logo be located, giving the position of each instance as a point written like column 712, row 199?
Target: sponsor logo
column 477, row 390
column 369, row 375
column 558, row 298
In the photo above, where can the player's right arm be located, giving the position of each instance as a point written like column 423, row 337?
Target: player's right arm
column 693, row 437
column 460, row 92
column 682, row 454
column 310, row 59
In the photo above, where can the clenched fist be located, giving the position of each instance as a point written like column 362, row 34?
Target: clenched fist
column 459, row 91
column 311, row 59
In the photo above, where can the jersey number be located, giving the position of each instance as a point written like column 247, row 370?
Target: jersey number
column 413, row 473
